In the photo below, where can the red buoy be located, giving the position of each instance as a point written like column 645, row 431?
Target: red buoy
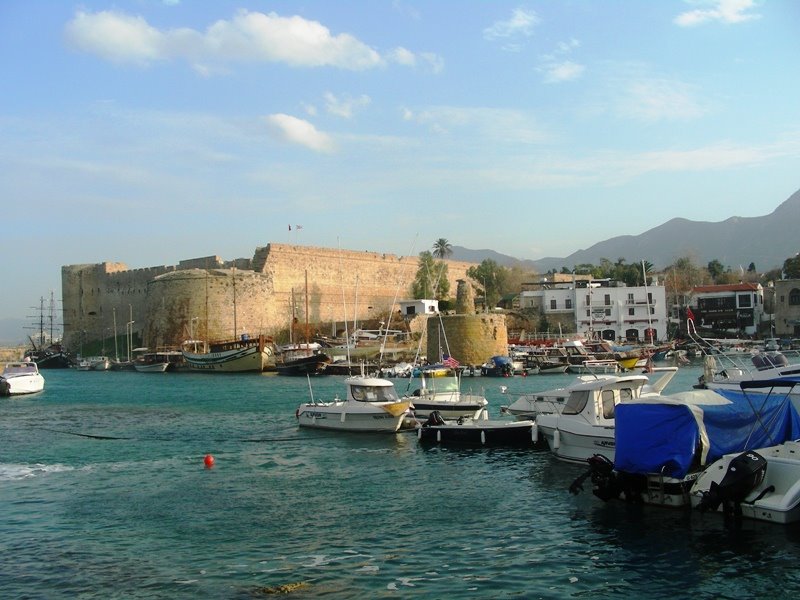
column 208, row 461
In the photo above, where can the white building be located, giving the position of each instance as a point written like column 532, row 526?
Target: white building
column 410, row 308
column 603, row 308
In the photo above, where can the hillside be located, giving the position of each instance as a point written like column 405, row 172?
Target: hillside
column 766, row 241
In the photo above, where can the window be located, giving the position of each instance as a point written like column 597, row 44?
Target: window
column 568, row 303
column 553, row 304
column 631, row 311
column 608, row 312
column 794, row 296
column 630, row 297
column 607, row 299
column 608, row 404
column 576, row 403
column 745, row 301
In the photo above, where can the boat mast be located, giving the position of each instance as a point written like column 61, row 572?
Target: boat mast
column 234, row 303
column 647, row 298
column 306, row 308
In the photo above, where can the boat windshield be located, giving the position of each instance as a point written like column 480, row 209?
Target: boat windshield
column 576, row 402
column 19, row 369
column 374, row 393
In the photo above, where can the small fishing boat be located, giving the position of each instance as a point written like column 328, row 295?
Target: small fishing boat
column 371, row 404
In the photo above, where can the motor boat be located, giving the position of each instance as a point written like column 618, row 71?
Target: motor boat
column 370, row 404
column 440, row 390
column 20, row 378
column 734, row 452
column 478, row 432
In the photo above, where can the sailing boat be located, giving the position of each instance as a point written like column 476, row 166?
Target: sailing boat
column 236, row 355
column 304, row 358
column 45, row 351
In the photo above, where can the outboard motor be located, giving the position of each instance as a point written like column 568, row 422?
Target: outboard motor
column 5, row 387
column 745, row 472
column 604, row 481
column 435, row 418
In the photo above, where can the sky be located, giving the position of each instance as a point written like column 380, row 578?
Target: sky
column 153, row 131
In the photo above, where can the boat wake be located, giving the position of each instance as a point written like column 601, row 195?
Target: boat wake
column 11, row 472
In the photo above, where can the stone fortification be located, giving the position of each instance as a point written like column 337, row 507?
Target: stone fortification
column 169, row 304
column 472, row 339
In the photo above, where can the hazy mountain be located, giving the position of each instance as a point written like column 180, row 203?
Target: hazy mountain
column 737, row 241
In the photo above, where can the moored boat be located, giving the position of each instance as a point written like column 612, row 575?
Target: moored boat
column 20, row 378
column 233, row 356
column 478, row 432
column 371, row 404
column 440, row 390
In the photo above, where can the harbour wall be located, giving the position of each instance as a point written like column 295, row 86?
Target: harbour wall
column 211, row 299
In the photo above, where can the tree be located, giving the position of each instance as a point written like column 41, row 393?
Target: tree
column 791, row 267
column 715, row 269
column 431, row 278
column 442, row 249
column 491, row 278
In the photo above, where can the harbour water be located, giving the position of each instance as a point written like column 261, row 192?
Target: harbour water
column 104, row 494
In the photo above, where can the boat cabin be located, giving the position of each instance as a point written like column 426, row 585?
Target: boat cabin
column 372, row 390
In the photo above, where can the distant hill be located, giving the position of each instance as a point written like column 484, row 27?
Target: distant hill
column 765, row 241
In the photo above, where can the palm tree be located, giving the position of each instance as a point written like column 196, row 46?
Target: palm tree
column 442, row 248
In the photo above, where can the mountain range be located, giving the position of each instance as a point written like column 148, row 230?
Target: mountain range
column 737, row 241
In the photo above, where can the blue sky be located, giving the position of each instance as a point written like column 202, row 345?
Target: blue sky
column 150, row 131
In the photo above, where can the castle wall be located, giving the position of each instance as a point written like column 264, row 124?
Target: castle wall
column 95, row 296
column 170, row 304
column 472, row 339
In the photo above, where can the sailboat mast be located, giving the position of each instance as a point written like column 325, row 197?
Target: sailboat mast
column 306, row 308
column 235, row 329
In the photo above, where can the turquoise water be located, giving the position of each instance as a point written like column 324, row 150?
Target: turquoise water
column 104, row 494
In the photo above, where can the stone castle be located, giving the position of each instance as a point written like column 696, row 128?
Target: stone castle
column 211, row 299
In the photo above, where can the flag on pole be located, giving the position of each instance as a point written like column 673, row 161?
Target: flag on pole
column 298, row 226
column 290, row 227
column 449, row 361
column 689, row 314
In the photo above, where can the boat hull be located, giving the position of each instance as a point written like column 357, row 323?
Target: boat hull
column 346, row 416
column 577, row 446
column 236, row 360
column 482, row 433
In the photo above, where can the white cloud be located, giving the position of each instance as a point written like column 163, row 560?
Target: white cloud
column 300, row 132
column 562, row 71
column 345, row 106
column 248, row 36
column 660, row 99
column 521, row 23
column 723, row 11
column 116, row 37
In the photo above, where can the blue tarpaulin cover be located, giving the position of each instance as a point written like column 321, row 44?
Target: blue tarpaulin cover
column 669, row 434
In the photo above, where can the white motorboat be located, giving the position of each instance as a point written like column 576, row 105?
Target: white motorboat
column 584, row 425
column 761, row 484
column 370, row 404
column 20, row 378
column 528, row 406
column 440, row 390
column 723, row 450
column 94, row 363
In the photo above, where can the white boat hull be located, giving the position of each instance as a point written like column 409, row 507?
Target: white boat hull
column 350, row 416
column 21, row 378
column 776, row 499
column 576, row 445
column 151, row 367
